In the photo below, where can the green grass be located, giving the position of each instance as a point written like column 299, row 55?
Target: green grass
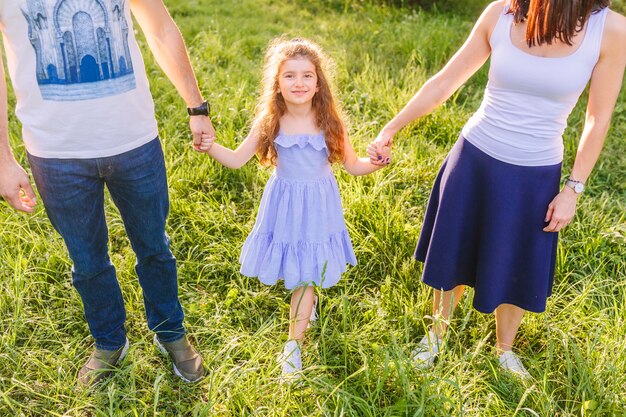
column 356, row 354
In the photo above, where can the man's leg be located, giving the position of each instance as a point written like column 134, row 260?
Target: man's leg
column 73, row 196
column 138, row 184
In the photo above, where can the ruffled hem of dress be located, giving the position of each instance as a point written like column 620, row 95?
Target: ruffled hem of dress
column 301, row 140
column 298, row 264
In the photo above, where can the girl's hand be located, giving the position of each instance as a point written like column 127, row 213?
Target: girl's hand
column 206, row 142
column 561, row 210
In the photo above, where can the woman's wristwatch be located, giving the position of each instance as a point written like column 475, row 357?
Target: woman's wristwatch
column 577, row 186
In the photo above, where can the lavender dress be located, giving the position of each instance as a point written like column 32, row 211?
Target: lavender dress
column 300, row 234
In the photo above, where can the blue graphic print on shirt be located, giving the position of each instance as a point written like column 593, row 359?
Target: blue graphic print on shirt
column 81, row 47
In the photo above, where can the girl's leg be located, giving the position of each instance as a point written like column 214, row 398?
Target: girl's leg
column 302, row 301
column 508, row 320
column 444, row 303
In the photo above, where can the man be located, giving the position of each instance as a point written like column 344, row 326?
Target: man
column 88, row 121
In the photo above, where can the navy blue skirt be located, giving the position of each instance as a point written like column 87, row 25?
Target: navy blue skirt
column 483, row 228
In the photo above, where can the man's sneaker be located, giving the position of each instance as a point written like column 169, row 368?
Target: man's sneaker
column 510, row 362
column 186, row 361
column 423, row 356
column 290, row 359
column 100, row 365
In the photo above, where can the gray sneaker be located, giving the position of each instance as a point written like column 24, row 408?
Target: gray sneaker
column 100, row 365
column 186, row 361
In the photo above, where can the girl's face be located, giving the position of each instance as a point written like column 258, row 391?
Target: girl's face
column 297, row 80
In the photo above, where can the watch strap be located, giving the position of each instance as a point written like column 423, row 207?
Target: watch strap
column 577, row 186
column 202, row 110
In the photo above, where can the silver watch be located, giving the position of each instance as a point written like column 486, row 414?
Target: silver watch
column 577, row 186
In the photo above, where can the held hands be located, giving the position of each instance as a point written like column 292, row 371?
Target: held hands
column 15, row 187
column 201, row 126
column 381, row 159
column 561, row 210
column 379, row 151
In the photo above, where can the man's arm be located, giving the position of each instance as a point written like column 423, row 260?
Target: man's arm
column 14, row 182
column 168, row 47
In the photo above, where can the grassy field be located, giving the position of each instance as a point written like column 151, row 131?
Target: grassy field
column 356, row 355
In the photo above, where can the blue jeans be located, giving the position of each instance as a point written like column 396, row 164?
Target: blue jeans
column 72, row 191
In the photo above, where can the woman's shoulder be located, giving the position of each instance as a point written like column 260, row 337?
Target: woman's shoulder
column 489, row 18
column 614, row 37
column 495, row 9
column 498, row 6
column 615, row 24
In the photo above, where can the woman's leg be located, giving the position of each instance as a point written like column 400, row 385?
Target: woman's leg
column 302, row 301
column 508, row 320
column 444, row 303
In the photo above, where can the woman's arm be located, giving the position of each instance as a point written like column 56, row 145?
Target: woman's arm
column 227, row 157
column 465, row 62
column 604, row 88
column 363, row 166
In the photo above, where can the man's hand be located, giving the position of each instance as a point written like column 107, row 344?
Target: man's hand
column 15, row 186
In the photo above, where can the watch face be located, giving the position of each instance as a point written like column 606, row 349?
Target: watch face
column 579, row 187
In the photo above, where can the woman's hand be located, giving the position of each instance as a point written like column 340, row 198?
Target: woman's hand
column 205, row 143
column 561, row 210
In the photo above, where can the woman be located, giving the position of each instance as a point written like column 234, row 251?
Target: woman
column 495, row 209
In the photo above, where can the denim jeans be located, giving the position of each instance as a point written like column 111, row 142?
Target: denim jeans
column 72, row 191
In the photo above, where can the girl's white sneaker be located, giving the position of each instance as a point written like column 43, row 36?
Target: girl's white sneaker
column 510, row 362
column 423, row 356
column 313, row 316
column 290, row 360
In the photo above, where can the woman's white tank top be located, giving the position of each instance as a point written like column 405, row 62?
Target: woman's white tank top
column 529, row 98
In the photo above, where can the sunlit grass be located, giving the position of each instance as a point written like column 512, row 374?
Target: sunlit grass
column 356, row 355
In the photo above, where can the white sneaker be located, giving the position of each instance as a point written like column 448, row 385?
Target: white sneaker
column 290, row 359
column 423, row 356
column 510, row 362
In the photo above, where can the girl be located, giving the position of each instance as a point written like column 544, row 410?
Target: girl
column 495, row 209
column 300, row 234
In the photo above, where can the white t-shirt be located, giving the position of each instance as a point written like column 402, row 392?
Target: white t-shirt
column 78, row 75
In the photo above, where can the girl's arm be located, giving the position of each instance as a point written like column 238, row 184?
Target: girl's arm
column 457, row 71
column 362, row 166
column 227, row 157
column 604, row 88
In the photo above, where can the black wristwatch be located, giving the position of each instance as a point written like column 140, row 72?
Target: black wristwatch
column 202, row 110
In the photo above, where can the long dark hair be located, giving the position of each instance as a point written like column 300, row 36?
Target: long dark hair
column 554, row 19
